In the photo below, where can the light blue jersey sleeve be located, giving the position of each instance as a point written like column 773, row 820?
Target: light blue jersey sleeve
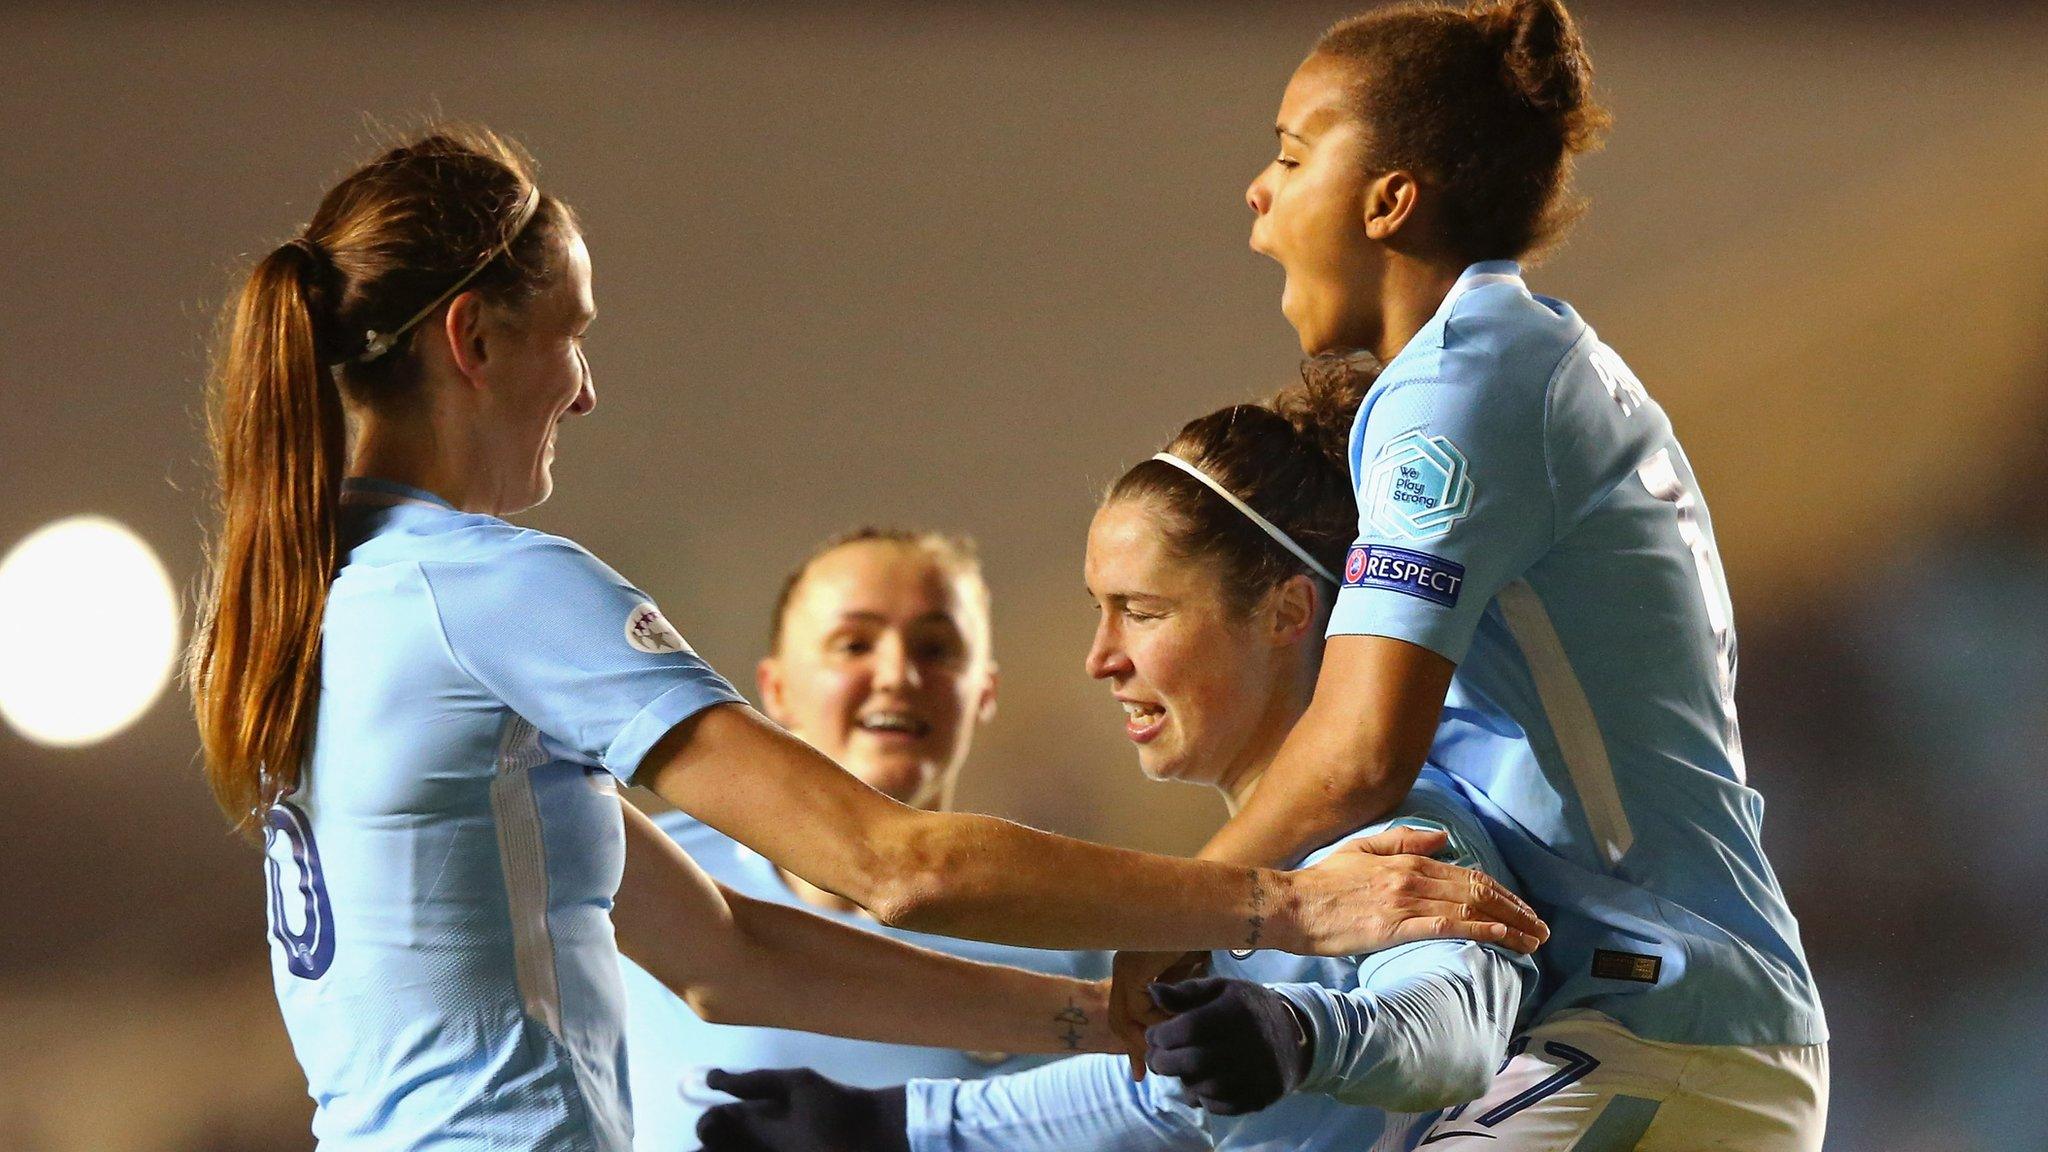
column 1427, row 1024
column 1452, row 473
column 570, row 646
column 1084, row 1103
column 1409, row 1029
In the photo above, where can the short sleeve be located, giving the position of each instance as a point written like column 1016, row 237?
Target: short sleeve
column 569, row 645
column 1454, row 503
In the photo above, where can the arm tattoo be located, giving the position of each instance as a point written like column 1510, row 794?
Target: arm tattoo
column 1256, row 925
column 1071, row 1020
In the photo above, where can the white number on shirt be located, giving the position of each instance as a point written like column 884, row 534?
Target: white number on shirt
column 1662, row 480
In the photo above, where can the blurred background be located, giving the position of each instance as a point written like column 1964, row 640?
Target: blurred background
column 957, row 267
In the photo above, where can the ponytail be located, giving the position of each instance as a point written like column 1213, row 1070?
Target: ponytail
column 455, row 209
column 275, row 422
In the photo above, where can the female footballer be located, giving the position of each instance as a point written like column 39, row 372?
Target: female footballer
column 428, row 710
column 1213, row 569
column 1534, row 601
column 882, row 656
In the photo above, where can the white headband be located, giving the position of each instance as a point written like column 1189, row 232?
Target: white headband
column 1265, row 525
column 376, row 344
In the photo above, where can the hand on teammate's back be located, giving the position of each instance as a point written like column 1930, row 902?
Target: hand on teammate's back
column 1236, row 1046
column 1382, row 890
column 797, row 1110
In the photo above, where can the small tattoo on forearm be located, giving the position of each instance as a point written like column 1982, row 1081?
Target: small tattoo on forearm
column 1071, row 1020
column 1257, row 924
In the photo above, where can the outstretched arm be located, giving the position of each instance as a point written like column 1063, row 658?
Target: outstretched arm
column 737, row 960
column 968, row 875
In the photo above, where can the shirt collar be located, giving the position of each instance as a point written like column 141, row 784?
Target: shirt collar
column 370, row 490
column 1479, row 276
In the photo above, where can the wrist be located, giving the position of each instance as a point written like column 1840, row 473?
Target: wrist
column 1288, row 925
column 1085, row 1019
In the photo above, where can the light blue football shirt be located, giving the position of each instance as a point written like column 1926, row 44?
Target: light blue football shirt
column 441, row 881
column 1383, row 1027
column 1526, row 512
column 672, row 1048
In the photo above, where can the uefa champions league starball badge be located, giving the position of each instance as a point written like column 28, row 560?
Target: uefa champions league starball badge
column 647, row 630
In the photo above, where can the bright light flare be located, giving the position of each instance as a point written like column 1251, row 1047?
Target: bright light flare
column 88, row 631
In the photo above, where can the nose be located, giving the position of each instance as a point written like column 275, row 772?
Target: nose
column 1258, row 197
column 1106, row 657
column 893, row 667
column 586, row 396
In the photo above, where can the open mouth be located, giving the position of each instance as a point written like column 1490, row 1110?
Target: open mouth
column 1142, row 720
column 902, row 725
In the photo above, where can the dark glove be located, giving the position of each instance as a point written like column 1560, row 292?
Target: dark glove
column 797, row 1110
column 1236, row 1046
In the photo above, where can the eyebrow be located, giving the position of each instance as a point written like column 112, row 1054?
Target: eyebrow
column 1286, row 133
column 933, row 616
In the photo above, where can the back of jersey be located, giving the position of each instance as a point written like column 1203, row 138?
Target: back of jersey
column 1526, row 512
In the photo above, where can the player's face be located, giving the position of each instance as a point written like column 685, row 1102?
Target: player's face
column 1193, row 683
column 885, row 667
column 1309, row 211
column 537, row 376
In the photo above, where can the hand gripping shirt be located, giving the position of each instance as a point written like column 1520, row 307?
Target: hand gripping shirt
column 1526, row 512
column 672, row 1049
column 441, row 881
column 1396, row 1034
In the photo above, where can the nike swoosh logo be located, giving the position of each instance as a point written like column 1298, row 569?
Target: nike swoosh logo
column 1448, row 1135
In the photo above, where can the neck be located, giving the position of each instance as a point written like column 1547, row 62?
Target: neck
column 1411, row 290
column 1288, row 703
column 413, row 451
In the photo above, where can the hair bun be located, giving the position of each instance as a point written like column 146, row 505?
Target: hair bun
column 1321, row 408
column 1546, row 62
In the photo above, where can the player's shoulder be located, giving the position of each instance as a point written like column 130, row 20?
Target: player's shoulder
column 1436, row 803
column 483, row 554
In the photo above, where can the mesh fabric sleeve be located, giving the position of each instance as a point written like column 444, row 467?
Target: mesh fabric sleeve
column 569, row 645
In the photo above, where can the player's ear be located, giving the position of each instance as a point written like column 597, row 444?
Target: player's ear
column 768, row 678
column 462, row 331
column 1388, row 203
column 1291, row 608
column 985, row 709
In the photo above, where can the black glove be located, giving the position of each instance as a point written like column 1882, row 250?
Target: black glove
column 797, row 1110
column 1236, row 1046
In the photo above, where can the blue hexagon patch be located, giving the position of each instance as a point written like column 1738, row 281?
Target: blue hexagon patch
column 1418, row 487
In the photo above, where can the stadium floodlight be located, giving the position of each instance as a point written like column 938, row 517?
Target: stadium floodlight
column 88, row 631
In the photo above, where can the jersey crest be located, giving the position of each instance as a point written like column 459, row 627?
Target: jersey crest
column 1418, row 486
column 647, row 630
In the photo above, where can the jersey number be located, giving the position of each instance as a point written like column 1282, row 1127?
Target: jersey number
column 1576, row 1065
column 1660, row 477
column 308, row 951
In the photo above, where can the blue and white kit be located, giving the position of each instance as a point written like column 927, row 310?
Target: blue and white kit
column 672, row 1049
column 1396, row 1034
column 1526, row 512
column 441, row 881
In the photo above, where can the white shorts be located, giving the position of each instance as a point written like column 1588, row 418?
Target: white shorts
column 1580, row 1082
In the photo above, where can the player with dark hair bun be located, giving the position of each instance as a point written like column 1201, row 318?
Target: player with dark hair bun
column 1532, row 601
column 1212, row 568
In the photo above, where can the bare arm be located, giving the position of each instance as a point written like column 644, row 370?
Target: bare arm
column 737, row 960
column 969, row 875
column 1352, row 756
